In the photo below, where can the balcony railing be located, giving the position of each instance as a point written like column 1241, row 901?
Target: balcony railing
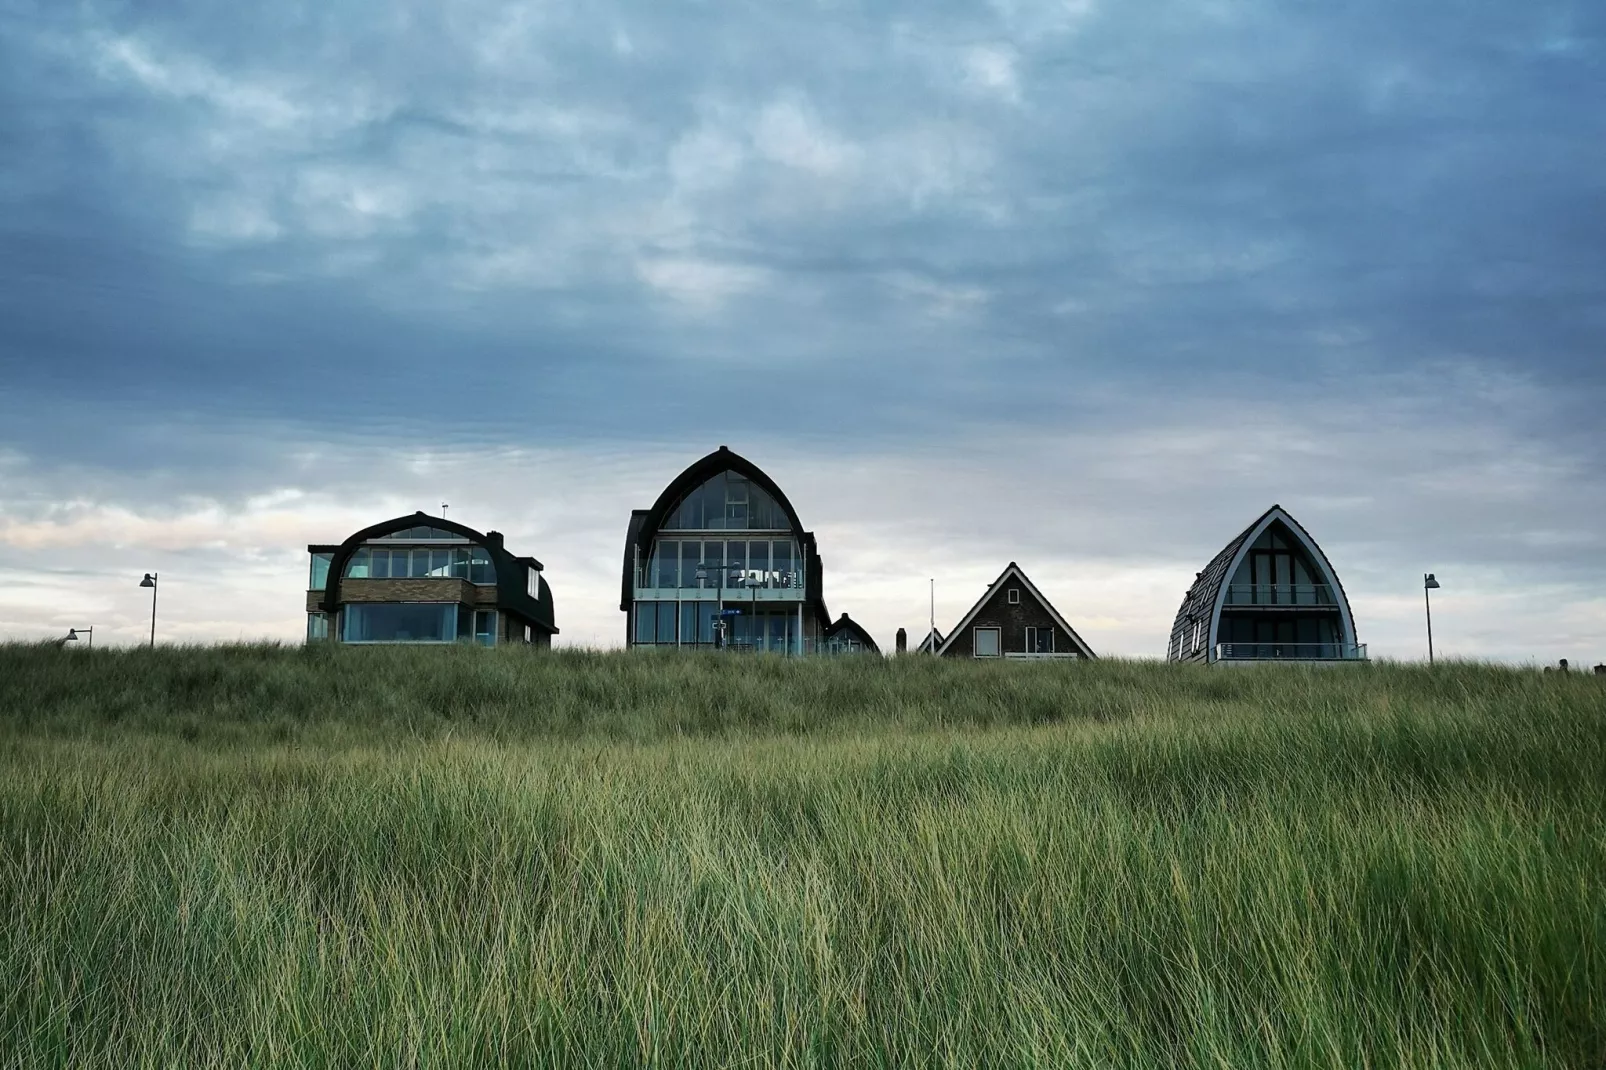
column 735, row 580
column 1291, row 651
column 1280, row 594
column 1041, row 655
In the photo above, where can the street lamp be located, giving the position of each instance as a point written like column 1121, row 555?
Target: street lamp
column 1429, row 584
column 150, row 581
column 74, row 633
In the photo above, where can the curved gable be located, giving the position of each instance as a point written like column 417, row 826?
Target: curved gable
column 700, row 472
column 646, row 523
column 1205, row 599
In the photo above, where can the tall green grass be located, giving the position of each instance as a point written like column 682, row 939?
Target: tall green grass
column 259, row 856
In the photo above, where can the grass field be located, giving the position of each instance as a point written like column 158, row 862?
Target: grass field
column 260, row 856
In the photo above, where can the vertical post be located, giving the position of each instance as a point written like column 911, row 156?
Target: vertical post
column 932, row 635
column 153, row 614
column 1428, row 604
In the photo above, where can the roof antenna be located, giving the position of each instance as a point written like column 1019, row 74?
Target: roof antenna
column 443, row 510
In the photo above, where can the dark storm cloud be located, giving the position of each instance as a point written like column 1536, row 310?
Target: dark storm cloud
column 305, row 211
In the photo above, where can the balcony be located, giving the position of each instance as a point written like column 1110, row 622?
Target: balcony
column 1024, row 655
column 740, row 585
column 1280, row 594
column 1291, row 652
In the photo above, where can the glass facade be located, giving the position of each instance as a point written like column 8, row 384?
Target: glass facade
column 709, row 564
column 1277, row 572
column 318, row 577
column 399, row 622
column 462, row 563
column 728, row 502
column 317, row 626
column 697, row 624
column 415, row 622
column 424, row 532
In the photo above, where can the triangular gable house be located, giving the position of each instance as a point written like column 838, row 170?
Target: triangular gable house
column 1014, row 620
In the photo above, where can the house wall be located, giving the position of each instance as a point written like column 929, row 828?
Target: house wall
column 418, row 590
column 1012, row 622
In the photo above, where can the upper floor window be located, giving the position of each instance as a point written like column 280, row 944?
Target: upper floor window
column 424, row 532
column 463, row 563
column 318, row 578
column 709, row 563
column 1014, row 596
column 1277, row 571
column 728, row 502
column 532, row 583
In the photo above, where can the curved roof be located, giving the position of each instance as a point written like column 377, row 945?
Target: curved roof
column 1204, row 599
column 846, row 625
column 644, row 523
column 512, row 590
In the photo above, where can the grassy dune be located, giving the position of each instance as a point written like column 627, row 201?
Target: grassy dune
column 262, row 856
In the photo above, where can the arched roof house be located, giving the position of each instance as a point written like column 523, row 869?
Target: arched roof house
column 722, row 560
column 424, row 579
column 1271, row 594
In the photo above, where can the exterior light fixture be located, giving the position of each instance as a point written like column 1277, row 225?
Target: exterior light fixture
column 74, row 634
column 150, row 581
column 1429, row 584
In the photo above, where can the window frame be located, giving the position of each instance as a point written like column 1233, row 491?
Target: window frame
column 998, row 640
column 1014, row 596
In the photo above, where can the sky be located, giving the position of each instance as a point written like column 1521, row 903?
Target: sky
column 1082, row 285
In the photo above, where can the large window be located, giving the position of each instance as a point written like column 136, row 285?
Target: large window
column 317, row 626
column 318, row 577
column 1040, row 640
column 728, row 502
column 380, row 563
column 738, row 563
column 399, row 622
column 425, row 532
column 694, row 624
column 987, row 642
column 1277, row 572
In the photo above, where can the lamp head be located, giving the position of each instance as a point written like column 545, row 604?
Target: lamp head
column 72, row 635
column 1429, row 582
column 148, row 581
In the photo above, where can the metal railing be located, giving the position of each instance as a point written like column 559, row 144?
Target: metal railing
column 1041, row 656
column 736, row 579
column 1291, row 651
column 1280, row 594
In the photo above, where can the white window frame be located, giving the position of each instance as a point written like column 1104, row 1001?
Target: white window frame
column 1032, row 631
column 1014, row 596
column 998, row 641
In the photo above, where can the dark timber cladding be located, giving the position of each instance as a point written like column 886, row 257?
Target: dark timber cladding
column 1270, row 593
column 1013, row 619
column 756, row 594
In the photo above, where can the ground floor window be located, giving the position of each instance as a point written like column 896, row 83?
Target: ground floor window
column 417, row 622
column 695, row 624
column 1039, row 640
column 987, row 642
column 317, row 626
column 1282, row 636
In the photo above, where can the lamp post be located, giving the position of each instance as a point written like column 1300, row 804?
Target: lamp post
column 931, row 636
column 1428, row 584
column 74, row 633
column 150, row 581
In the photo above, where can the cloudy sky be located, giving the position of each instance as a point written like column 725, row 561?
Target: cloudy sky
column 1078, row 284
